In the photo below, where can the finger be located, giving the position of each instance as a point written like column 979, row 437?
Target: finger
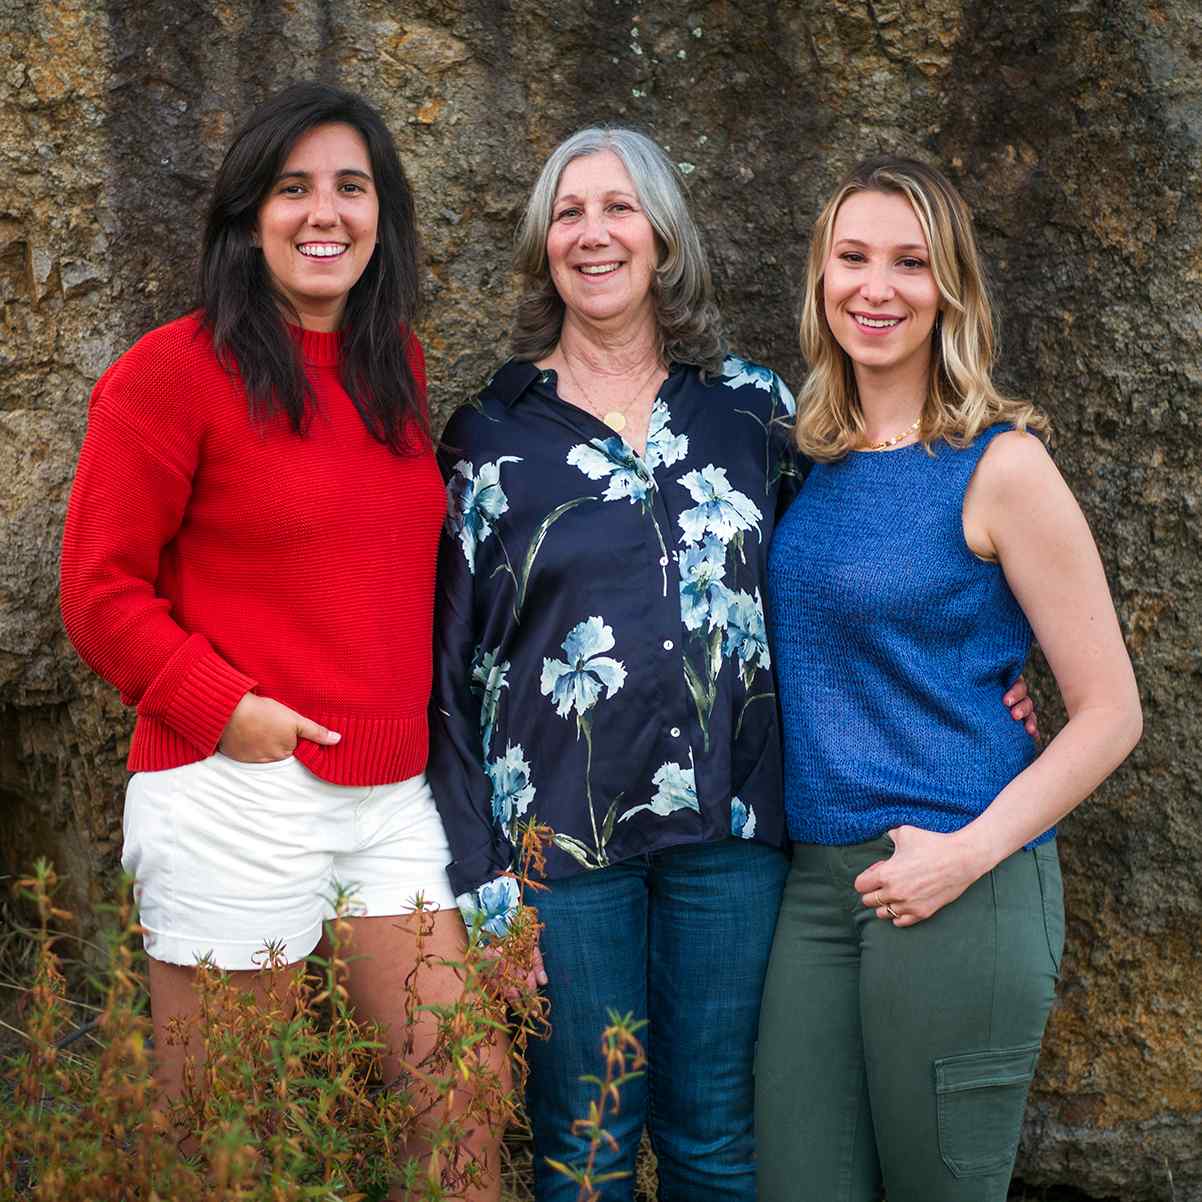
column 1022, row 710
column 1018, row 692
column 1031, row 727
column 315, row 732
column 869, row 879
column 540, row 972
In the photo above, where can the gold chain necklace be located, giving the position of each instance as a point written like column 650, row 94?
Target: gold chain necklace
column 615, row 419
column 892, row 442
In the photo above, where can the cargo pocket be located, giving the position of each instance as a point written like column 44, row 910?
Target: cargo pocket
column 1051, row 888
column 981, row 1097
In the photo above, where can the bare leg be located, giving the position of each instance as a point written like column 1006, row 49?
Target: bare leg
column 173, row 996
column 383, row 952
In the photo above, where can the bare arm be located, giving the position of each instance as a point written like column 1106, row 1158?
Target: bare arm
column 1020, row 510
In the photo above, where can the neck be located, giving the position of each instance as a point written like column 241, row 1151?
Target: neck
column 628, row 350
column 324, row 319
column 890, row 402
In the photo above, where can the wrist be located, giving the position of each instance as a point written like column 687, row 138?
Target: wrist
column 978, row 849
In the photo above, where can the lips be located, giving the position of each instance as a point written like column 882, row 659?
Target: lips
column 323, row 250
column 877, row 321
column 596, row 270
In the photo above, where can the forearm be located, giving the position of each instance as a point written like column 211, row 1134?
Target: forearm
column 1092, row 744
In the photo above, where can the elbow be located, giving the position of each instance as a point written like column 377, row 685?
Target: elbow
column 81, row 609
column 71, row 609
column 1134, row 725
column 1126, row 726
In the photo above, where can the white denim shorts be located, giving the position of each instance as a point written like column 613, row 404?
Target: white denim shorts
column 228, row 857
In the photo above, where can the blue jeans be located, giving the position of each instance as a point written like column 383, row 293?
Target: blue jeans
column 680, row 937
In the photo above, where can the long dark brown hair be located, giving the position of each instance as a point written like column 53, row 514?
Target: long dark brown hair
column 246, row 314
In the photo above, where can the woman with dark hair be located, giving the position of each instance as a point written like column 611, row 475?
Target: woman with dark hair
column 920, row 933
column 249, row 556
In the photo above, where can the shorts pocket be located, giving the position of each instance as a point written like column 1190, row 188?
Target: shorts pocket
column 981, row 1097
column 1051, row 888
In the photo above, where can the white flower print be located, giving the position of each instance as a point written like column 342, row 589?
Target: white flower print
column 489, row 677
column 512, row 791
column 474, row 501
column 704, row 598
column 577, row 684
column 677, row 790
column 736, row 372
column 663, row 447
column 722, row 510
column 600, row 457
column 742, row 819
column 746, row 637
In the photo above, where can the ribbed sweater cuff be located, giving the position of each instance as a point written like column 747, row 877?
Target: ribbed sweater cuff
column 195, row 694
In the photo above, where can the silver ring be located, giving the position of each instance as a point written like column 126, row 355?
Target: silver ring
column 891, row 911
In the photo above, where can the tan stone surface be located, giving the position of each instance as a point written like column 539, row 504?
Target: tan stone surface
column 1074, row 128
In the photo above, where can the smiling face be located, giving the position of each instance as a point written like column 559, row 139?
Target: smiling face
column 317, row 226
column 879, row 293
column 601, row 248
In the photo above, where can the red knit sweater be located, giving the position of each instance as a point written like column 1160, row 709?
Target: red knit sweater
column 205, row 556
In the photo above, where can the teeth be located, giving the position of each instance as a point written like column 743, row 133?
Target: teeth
column 601, row 269
column 321, row 250
column 873, row 324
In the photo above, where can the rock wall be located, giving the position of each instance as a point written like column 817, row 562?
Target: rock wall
column 1074, row 129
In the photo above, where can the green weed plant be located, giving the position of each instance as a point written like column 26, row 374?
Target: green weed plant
column 287, row 1103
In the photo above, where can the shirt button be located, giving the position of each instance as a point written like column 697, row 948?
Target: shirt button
column 668, row 644
column 663, row 561
column 675, row 732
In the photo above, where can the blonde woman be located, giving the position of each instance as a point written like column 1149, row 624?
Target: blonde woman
column 920, row 933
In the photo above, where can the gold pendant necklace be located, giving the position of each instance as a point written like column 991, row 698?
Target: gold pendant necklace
column 615, row 419
column 892, row 442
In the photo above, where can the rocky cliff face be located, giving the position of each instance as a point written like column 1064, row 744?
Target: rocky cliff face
column 1074, row 129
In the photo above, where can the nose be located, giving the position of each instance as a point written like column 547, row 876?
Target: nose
column 594, row 231
column 876, row 286
column 322, row 210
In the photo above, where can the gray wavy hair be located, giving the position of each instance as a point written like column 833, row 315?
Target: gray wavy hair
column 687, row 318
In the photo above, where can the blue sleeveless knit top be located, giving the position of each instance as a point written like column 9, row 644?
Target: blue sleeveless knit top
column 893, row 644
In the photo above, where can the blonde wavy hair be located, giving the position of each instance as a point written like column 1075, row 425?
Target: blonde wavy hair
column 961, row 397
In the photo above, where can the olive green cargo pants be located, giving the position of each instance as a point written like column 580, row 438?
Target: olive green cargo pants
column 900, row 1058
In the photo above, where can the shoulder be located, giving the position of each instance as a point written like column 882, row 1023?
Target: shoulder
column 1014, row 458
column 480, row 421
column 1016, row 488
column 163, row 367
column 755, row 384
column 185, row 339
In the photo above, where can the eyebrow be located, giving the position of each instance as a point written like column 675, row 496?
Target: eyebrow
column 904, row 246
column 354, row 172
column 566, row 196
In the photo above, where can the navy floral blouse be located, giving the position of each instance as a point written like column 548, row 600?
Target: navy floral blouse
column 601, row 662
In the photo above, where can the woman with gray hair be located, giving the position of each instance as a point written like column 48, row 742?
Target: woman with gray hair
column 602, row 667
